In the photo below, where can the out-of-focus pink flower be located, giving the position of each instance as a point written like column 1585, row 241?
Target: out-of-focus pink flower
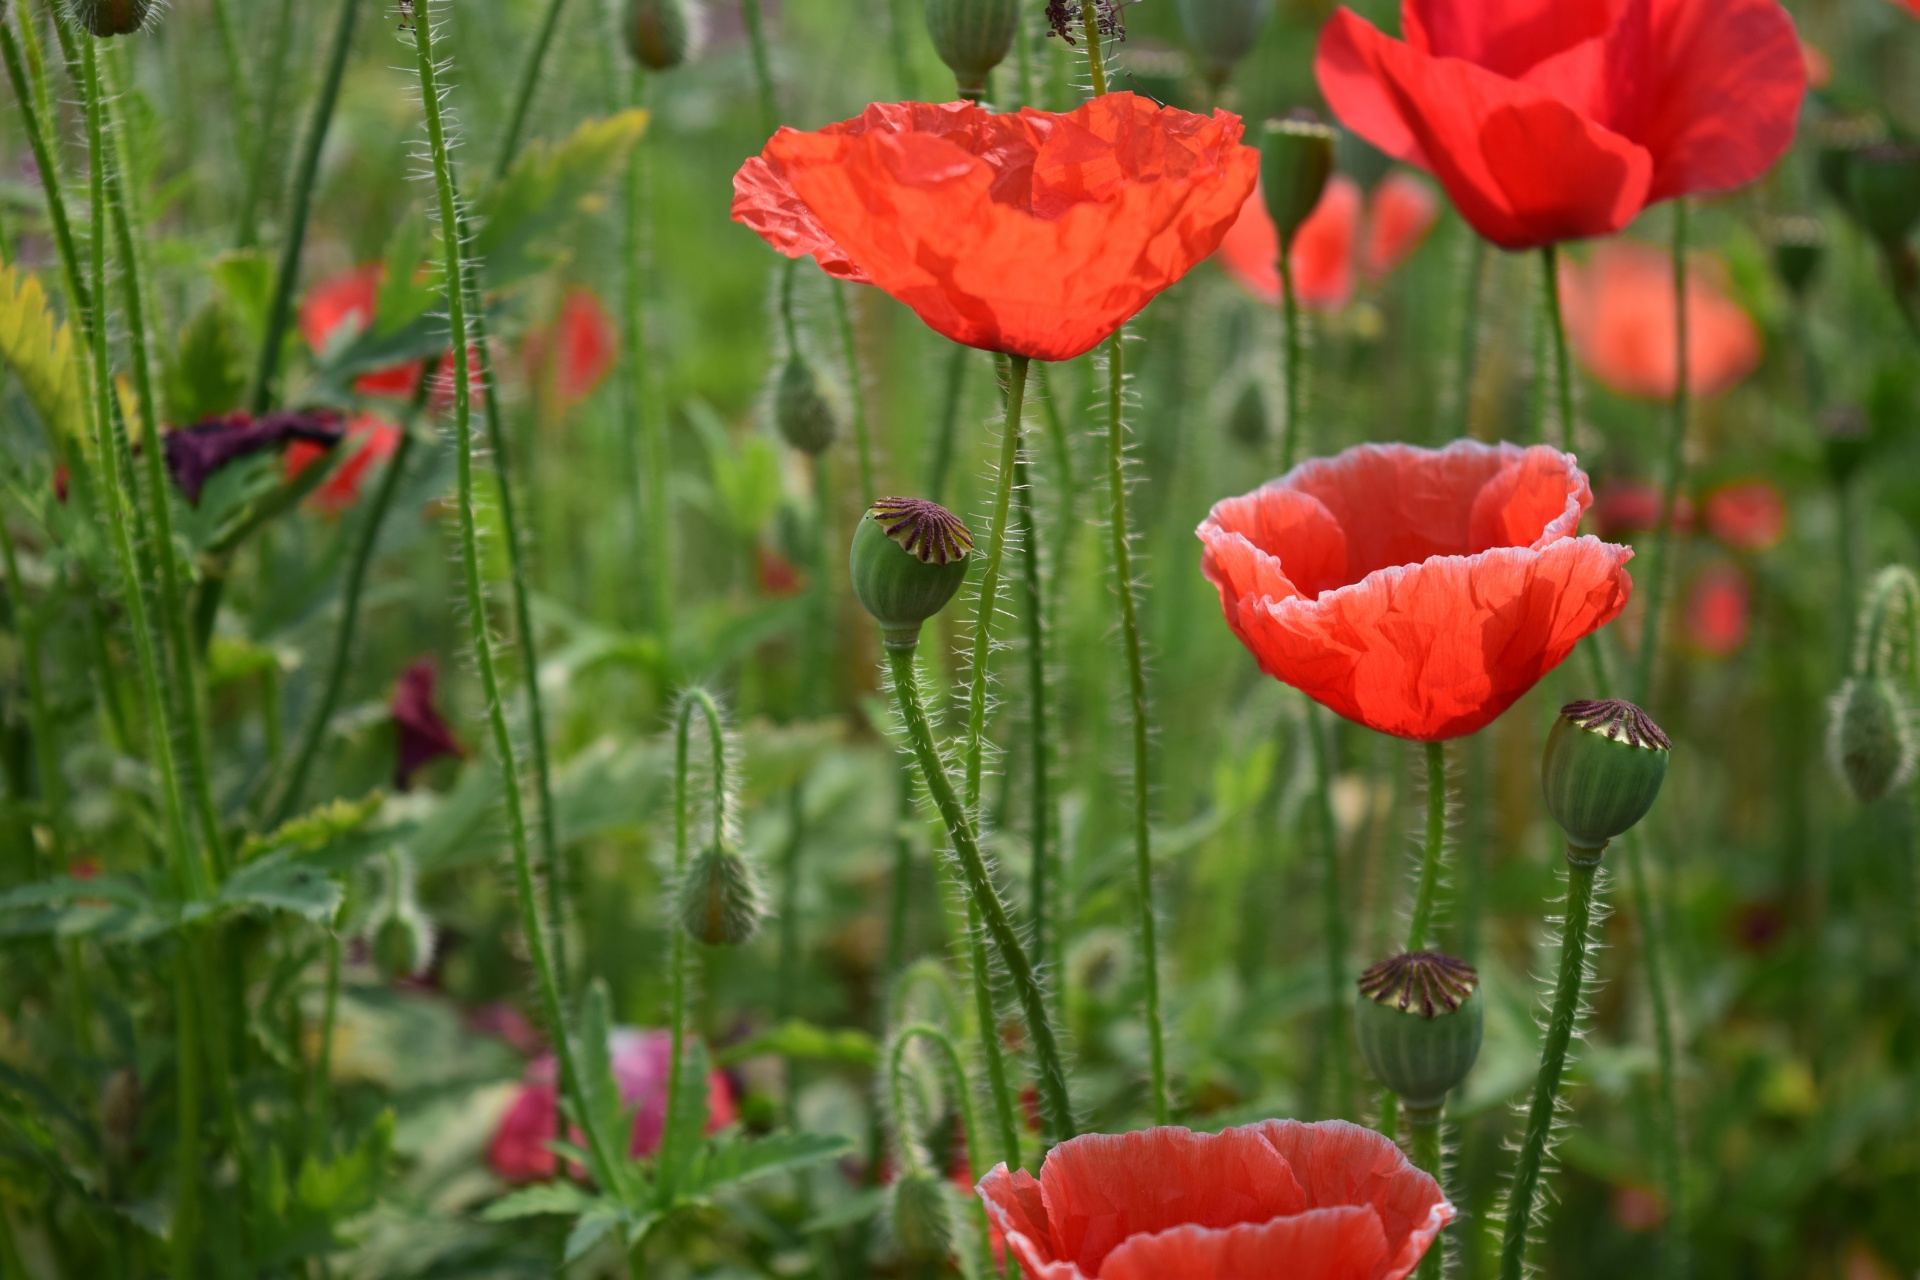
column 1620, row 318
column 1627, row 507
column 423, row 734
column 507, row 1023
column 1638, row 1208
column 1748, row 515
column 1333, row 241
column 370, row 440
column 1399, row 215
column 778, row 576
column 1719, row 610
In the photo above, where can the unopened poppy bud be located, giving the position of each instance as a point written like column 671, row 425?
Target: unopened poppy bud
column 909, row 557
column 1604, row 763
column 1419, row 1019
column 1870, row 737
column 1221, row 33
column 972, row 37
column 1296, row 159
column 1883, row 190
column 113, row 17
column 921, row 1215
column 800, row 408
column 662, row 34
column 1248, row 421
column 720, row 898
column 1798, row 243
column 403, row 943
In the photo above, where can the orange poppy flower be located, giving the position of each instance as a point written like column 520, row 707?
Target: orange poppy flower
column 370, row 439
column 1415, row 591
column 1398, row 216
column 1619, row 314
column 1719, row 610
column 1036, row 233
column 1749, row 515
column 1282, row 1198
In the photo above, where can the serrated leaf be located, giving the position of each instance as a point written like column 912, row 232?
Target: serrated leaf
column 40, row 351
column 530, row 1202
column 803, row 1040
column 589, row 1231
column 686, row 1121
column 544, row 190
column 278, row 883
column 734, row 1160
column 317, row 828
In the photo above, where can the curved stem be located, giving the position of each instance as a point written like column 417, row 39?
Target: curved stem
column 1423, row 1129
column 1054, row 1098
column 523, row 94
column 989, row 603
column 1292, row 376
column 1334, row 914
column 856, row 389
column 962, row 1091
column 1582, row 867
column 1556, row 329
column 692, row 700
column 1675, row 474
column 1421, row 927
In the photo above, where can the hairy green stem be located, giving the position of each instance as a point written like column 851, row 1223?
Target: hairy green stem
column 248, row 231
column 962, row 1092
column 1556, row 330
column 989, row 603
column 523, row 93
column 1423, row 1129
column 988, row 1017
column 1420, row 929
column 1669, row 1142
column 46, row 162
column 1334, row 913
column 1292, row 376
column 635, row 371
column 1096, row 57
column 244, row 143
column 1674, row 475
column 1039, row 740
column 695, row 699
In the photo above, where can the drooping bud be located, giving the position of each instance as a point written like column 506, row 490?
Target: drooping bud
column 1883, row 190
column 972, row 37
column 1296, row 159
column 909, row 557
column 1221, row 33
column 1419, row 1019
column 720, row 898
column 1798, row 242
column 403, row 943
column 1248, row 421
column 921, row 1215
column 800, row 408
column 1870, row 737
column 1603, row 766
column 113, row 17
column 662, row 34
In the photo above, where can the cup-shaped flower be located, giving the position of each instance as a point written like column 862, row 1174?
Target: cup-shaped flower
column 1282, row 1198
column 1036, row 234
column 1552, row 120
column 1418, row 592
column 1620, row 319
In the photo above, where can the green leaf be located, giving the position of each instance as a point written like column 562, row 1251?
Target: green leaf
column 600, row 1092
column 734, row 1160
column 314, row 831
column 529, row 1202
column 232, row 658
column 686, row 1122
column 205, row 377
column 589, row 1231
column 544, row 190
column 245, row 277
column 40, row 351
column 278, row 883
column 797, row 1039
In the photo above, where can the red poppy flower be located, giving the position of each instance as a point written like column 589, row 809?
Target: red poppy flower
column 1819, row 65
column 1627, row 507
column 371, row 440
column 578, row 352
column 1418, row 592
column 1033, row 233
column 1719, row 611
column 1619, row 314
column 423, row 735
column 1748, row 515
column 1911, row 6
column 1283, row 1198
column 1552, row 120
column 337, row 310
column 1400, row 213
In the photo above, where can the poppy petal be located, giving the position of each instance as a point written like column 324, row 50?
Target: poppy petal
column 764, row 202
column 1506, row 37
column 1343, row 1164
column 1017, row 1217
column 1400, row 213
column 1344, row 1243
column 1620, row 318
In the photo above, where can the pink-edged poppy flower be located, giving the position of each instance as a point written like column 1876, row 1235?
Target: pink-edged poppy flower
column 1551, row 120
column 1419, row 592
column 1719, row 611
column 1283, row 1198
column 370, row 439
column 1033, row 232
column 422, row 735
column 1627, row 507
column 520, row 1152
column 1619, row 314
column 1335, row 239
column 1748, row 515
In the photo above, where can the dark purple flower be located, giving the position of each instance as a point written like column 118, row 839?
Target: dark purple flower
column 423, row 736
column 195, row 453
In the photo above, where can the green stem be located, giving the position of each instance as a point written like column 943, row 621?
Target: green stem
column 523, row 94
column 695, row 699
column 183, row 1235
column 902, row 878
column 263, row 145
column 1669, row 1141
column 1469, row 335
column 1423, row 1128
column 1054, row 1099
column 991, row 1053
column 1096, row 59
column 1674, row 476
column 299, row 206
column 1556, row 329
column 46, row 162
column 856, row 389
column 46, row 754
column 1039, row 740
column 1420, row 930
column 242, row 106
column 1293, row 377
column 604, row 1155
column 636, row 368
column 989, row 604
column 1334, row 911
column 762, row 65
column 1582, row 866
column 898, row 26
column 321, row 1118
column 962, row 1092
column 949, row 423
column 790, row 904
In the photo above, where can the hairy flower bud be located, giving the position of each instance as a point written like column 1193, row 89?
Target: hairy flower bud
column 921, row 1215
column 1419, row 1018
column 1883, row 190
column 662, row 34
column 720, row 898
column 1870, row 737
column 1296, row 160
column 909, row 557
column 113, row 17
column 1603, row 767
column 972, row 37
column 800, row 408
column 403, row 943
column 1222, row 32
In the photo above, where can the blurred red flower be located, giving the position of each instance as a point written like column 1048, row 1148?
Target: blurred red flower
column 342, row 307
column 1626, row 507
column 1032, row 233
column 1418, row 592
column 370, row 440
column 578, row 351
column 1749, row 515
column 1283, row 1198
column 1719, row 610
column 422, row 734
column 1552, row 120
column 1911, row 6
column 1619, row 313
column 1638, row 1208
column 1819, row 65
column 641, row 1059
column 1399, row 214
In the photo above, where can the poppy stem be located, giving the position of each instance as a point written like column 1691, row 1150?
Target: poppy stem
column 1583, row 866
column 949, row 424
column 1334, row 911
column 1292, row 378
column 1668, row 1144
column 762, row 65
column 1055, row 1102
column 46, row 164
column 694, row 699
column 1557, row 337
column 1039, row 744
column 1423, row 1131
column 989, row 604
column 1471, row 289
column 636, row 374
column 523, row 94
column 1421, row 927
column 1096, row 58
column 988, row 1017
column 1674, row 475
column 899, row 24
column 247, row 232
column 910, row 1152
column 856, row 389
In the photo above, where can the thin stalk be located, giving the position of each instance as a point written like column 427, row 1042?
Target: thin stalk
column 321, row 1117
column 962, row 1092
column 902, row 879
column 790, row 904
column 46, row 162
column 989, row 603
column 299, row 206
column 1556, row 330
column 242, row 107
column 1334, row 913
column 1668, row 1143
column 1423, row 1129
column 1137, row 700
column 898, row 26
column 1469, row 354
column 1055, row 1102
column 1039, row 741
column 183, row 1234
column 695, row 699
column 1675, row 474
column 1582, row 867
column 1292, row 376
column 476, row 603
column 263, row 145
column 36, row 61
column 856, row 389
column 1420, row 930
column 636, row 369
column 762, row 65
column 948, row 425
column 991, row 1053
column 1096, row 59
column 523, row 93
column 46, row 754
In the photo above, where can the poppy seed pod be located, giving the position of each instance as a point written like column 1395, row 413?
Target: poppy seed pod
column 1603, row 766
column 720, row 898
column 921, row 1216
column 972, row 37
column 113, row 17
column 909, row 557
column 1296, row 160
column 800, row 408
column 662, row 34
column 1222, row 32
column 1870, row 737
column 1419, row 1019
column 1883, row 190
column 1798, row 243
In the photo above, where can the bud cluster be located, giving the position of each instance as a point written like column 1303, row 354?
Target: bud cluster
column 1870, row 733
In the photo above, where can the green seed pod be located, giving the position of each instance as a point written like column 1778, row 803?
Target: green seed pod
column 909, row 557
column 1419, row 1018
column 1798, row 243
column 1883, row 190
column 403, row 943
column 972, row 37
column 1870, row 737
column 1221, row 33
column 800, row 408
column 1248, row 421
column 1296, row 159
column 662, row 34
column 113, row 17
column 1603, row 767
column 720, row 898
column 922, row 1216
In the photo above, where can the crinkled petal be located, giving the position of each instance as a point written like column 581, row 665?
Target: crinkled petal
column 1343, row 1164
column 1344, row 1243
